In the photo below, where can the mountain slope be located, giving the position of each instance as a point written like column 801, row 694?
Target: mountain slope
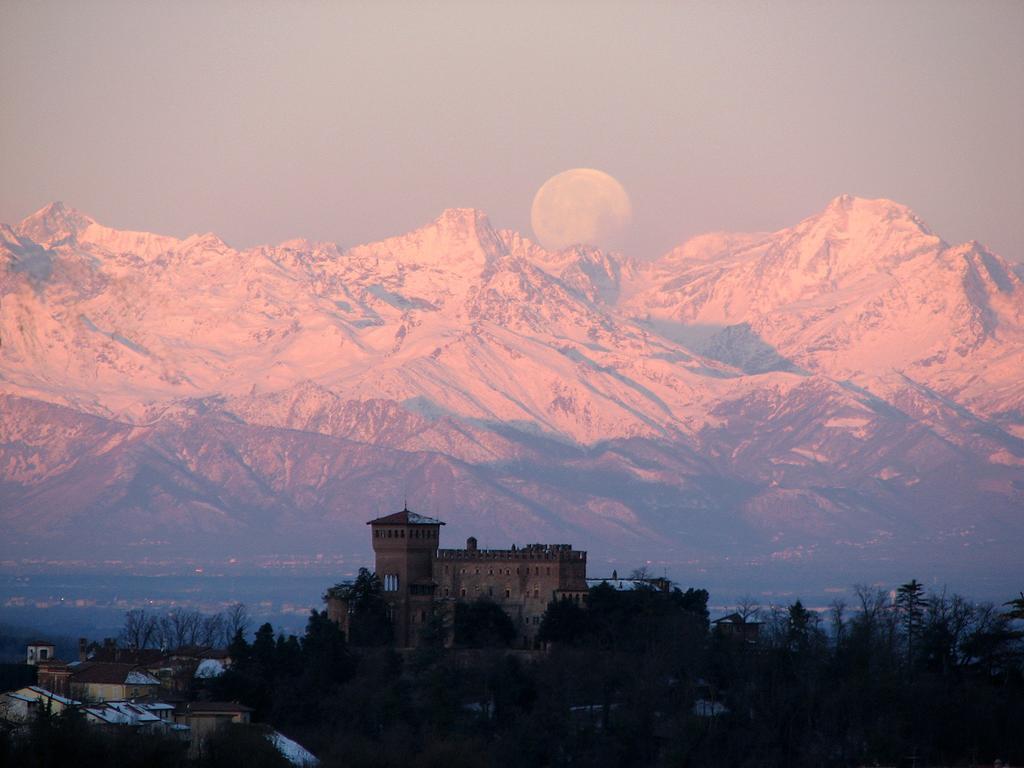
column 842, row 391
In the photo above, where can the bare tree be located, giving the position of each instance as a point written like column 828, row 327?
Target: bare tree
column 140, row 629
column 748, row 608
column 837, row 613
column 643, row 573
column 211, row 628
column 180, row 627
column 236, row 619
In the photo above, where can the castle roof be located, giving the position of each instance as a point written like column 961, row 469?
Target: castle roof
column 405, row 517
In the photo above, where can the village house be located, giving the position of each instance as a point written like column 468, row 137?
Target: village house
column 152, row 716
column 736, row 627
column 205, row 717
column 419, row 578
column 21, row 705
column 39, row 650
column 175, row 669
column 98, row 680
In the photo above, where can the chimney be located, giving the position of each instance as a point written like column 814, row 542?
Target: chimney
column 83, row 650
column 471, row 544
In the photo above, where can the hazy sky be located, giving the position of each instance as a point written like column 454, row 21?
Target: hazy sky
column 353, row 121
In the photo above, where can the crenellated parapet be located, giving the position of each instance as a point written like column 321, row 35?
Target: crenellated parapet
column 559, row 552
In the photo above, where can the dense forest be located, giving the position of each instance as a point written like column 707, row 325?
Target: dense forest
column 634, row 678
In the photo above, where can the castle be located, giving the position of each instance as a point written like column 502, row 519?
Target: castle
column 419, row 578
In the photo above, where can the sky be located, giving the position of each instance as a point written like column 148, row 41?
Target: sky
column 351, row 122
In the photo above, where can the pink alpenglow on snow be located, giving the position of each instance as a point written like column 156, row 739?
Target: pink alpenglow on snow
column 848, row 387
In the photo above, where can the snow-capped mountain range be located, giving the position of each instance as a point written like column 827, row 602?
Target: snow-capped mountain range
column 849, row 387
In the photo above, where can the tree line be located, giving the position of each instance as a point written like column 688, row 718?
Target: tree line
column 180, row 627
column 641, row 678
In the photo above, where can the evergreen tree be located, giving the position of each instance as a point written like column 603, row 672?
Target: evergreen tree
column 1016, row 612
column 264, row 651
column 910, row 605
column 369, row 624
column 799, row 624
column 325, row 655
column 482, row 624
column 239, row 649
column 564, row 621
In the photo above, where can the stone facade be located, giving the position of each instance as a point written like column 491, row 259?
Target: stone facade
column 420, row 578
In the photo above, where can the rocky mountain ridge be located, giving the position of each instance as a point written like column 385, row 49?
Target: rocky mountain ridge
column 848, row 386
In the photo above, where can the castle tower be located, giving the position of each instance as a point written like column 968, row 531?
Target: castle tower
column 405, row 547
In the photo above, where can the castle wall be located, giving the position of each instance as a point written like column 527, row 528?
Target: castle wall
column 521, row 581
column 419, row 579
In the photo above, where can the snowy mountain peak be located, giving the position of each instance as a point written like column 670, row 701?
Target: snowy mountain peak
column 52, row 223
column 463, row 219
column 855, row 215
column 460, row 240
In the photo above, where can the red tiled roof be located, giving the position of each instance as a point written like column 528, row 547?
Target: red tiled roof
column 127, row 655
column 199, row 652
column 103, row 672
column 405, row 517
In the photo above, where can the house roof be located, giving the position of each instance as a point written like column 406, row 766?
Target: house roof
column 734, row 618
column 405, row 517
column 216, row 707
column 127, row 655
column 199, row 652
column 41, row 642
column 35, row 692
column 123, row 713
column 112, row 672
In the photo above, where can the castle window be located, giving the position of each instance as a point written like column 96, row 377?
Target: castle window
column 463, row 593
column 478, row 570
column 508, row 593
column 490, row 571
column 390, row 582
column 536, row 593
column 402, row 533
column 446, row 591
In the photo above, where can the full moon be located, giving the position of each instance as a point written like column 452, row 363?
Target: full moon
column 582, row 206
